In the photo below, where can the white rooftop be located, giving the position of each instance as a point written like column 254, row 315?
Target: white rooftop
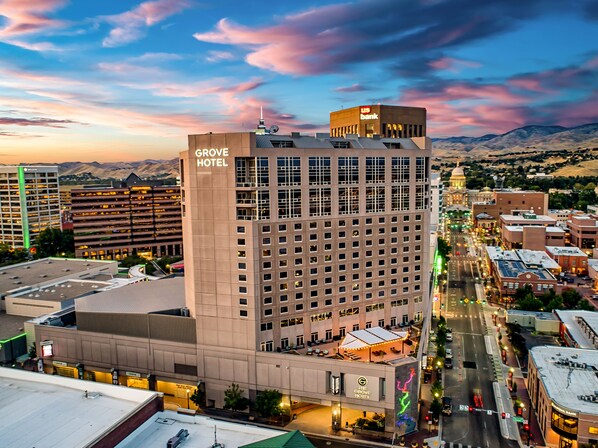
column 38, row 410
column 142, row 297
column 537, row 257
column 537, row 219
column 156, row 431
column 572, row 251
column 569, row 319
column 564, row 382
column 497, row 253
column 549, row 229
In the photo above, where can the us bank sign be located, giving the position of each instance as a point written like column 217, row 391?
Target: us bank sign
column 207, row 158
column 365, row 113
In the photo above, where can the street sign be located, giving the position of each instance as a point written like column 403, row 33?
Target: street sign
column 518, row 419
column 463, row 407
column 525, row 422
column 489, row 412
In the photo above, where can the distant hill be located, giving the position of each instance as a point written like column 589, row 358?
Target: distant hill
column 120, row 170
column 534, row 137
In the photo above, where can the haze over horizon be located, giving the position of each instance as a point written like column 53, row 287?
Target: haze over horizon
column 129, row 80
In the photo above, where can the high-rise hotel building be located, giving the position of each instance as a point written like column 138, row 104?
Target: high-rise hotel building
column 29, row 203
column 292, row 240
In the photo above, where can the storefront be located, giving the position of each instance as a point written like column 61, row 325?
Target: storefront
column 177, row 394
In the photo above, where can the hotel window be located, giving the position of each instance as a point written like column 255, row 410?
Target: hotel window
column 400, row 198
column 348, row 200
column 400, row 169
column 243, row 301
column 263, row 204
column 348, row 170
column 420, row 198
column 375, row 198
column 320, row 201
column 243, row 313
column 422, row 169
column 289, row 203
column 288, row 171
column 319, row 171
column 299, row 307
column 245, row 174
column 263, row 174
column 375, row 170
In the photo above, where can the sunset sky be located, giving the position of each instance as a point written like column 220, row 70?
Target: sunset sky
column 128, row 80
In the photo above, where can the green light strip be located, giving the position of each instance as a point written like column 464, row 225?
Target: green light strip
column 13, row 338
column 23, row 200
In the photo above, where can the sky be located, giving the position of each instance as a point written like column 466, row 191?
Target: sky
column 128, row 80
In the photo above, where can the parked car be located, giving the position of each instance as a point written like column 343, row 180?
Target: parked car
column 449, row 337
column 448, row 353
column 448, row 363
column 447, row 405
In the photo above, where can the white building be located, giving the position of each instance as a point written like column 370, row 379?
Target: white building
column 30, row 203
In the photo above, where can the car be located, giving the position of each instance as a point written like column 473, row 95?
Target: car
column 448, row 363
column 594, row 296
column 448, row 353
column 477, row 399
column 447, row 405
column 449, row 337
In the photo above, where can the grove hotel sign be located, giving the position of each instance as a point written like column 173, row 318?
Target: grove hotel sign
column 209, row 157
column 363, row 387
column 365, row 113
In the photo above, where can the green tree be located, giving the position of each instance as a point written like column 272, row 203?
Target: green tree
column 444, row 248
column 441, row 336
column 234, row 399
column 571, row 298
column 197, row 397
column 267, row 403
column 436, row 408
column 9, row 256
column 436, row 389
column 585, row 305
column 530, row 303
column 52, row 242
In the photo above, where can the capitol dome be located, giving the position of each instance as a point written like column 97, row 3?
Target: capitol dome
column 458, row 171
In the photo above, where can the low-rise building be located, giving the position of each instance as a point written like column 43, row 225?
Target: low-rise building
column 512, row 275
column 570, row 259
column 525, row 219
column 532, row 237
column 563, row 389
column 578, row 328
column 505, row 202
column 584, row 231
column 538, row 321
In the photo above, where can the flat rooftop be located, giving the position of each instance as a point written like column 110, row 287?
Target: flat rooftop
column 565, row 383
column 46, row 270
column 62, row 291
column 40, row 410
column 324, row 141
column 11, row 326
column 140, row 298
column 156, row 431
column 536, row 219
column 497, row 253
column 513, row 269
column 537, row 257
column 549, row 229
column 569, row 318
column 561, row 251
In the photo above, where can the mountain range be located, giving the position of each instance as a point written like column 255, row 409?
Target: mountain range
column 528, row 137
column 532, row 138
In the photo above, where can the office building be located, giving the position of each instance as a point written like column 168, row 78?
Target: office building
column 563, row 389
column 509, row 202
column 113, row 223
column 579, row 328
column 385, row 121
column 29, row 203
column 584, row 231
column 436, row 203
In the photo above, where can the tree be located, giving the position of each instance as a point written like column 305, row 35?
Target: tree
column 584, row 305
column 436, row 389
column 440, row 336
column 52, row 242
column 267, row 403
column 444, row 248
column 570, row 298
column 436, row 408
column 197, row 397
column 234, row 399
column 33, row 351
column 9, row 256
column 530, row 303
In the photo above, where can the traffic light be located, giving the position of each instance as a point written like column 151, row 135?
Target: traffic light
column 427, row 417
column 470, row 409
column 526, row 427
column 503, row 415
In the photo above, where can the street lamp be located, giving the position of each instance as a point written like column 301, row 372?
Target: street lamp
column 188, row 391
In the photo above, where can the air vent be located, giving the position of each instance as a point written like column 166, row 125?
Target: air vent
column 14, row 277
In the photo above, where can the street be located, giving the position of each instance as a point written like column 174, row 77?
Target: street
column 472, row 372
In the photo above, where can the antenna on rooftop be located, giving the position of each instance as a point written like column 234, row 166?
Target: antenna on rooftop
column 261, row 127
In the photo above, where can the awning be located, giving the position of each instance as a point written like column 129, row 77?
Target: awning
column 356, row 340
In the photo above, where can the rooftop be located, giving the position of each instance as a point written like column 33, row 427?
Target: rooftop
column 45, row 410
column 142, row 297
column 324, row 141
column 565, row 378
column 156, row 431
column 11, row 326
column 528, row 217
column 541, row 315
column 570, row 318
column 536, row 257
column 572, row 251
column 48, row 270
column 549, row 229
column 62, row 291
column 497, row 253
column 513, row 269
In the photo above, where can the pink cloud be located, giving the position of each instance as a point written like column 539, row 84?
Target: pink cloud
column 452, row 64
column 217, row 56
column 27, row 17
column 352, row 88
column 130, row 26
